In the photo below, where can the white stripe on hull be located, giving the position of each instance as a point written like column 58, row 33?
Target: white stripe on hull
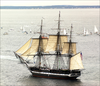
column 54, row 74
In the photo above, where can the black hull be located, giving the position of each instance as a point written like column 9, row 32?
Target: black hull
column 54, row 75
column 51, row 73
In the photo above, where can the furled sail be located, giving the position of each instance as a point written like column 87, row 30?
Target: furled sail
column 76, row 62
column 52, row 42
column 66, row 48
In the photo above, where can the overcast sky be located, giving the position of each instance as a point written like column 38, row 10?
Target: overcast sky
column 47, row 2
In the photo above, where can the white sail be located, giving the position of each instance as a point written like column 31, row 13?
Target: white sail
column 66, row 48
column 30, row 48
column 95, row 29
column 21, row 27
column 24, row 47
column 30, row 31
column 64, row 31
column 84, row 31
column 52, row 42
column 87, row 32
column 76, row 62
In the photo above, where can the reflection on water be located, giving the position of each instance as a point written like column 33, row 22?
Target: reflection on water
column 49, row 82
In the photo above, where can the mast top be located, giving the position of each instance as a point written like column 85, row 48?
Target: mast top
column 70, row 42
column 71, row 32
column 41, row 27
column 59, row 24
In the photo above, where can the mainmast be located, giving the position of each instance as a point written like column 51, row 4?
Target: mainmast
column 58, row 34
column 58, row 41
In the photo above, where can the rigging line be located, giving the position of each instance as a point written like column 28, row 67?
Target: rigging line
column 34, row 59
column 54, row 25
column 35, row 29
column 52, row 28
column 49, row 63
column 43, row 61
column 58, row 22
column 62, row 19
column 29, row 59
column 46, row 58
column 47, row 22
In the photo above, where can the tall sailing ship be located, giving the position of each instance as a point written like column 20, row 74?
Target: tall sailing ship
column 52, row 57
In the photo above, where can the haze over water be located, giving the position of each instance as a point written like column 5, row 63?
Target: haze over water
column 15, row 74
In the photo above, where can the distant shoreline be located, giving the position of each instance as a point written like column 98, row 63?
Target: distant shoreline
column 49, row 7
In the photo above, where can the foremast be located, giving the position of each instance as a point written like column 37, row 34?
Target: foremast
column 39, row 48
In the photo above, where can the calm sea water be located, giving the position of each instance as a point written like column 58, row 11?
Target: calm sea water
column 15, row 74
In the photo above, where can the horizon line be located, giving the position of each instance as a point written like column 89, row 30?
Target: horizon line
column 61, row 5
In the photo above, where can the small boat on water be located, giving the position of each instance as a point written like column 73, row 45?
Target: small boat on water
column 1, row 27
column 52, row 57
column 86, row 32
column 95, row 30
column 30, row 31
column 5, row 33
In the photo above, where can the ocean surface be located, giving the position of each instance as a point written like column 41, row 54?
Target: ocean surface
column 13, row 73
